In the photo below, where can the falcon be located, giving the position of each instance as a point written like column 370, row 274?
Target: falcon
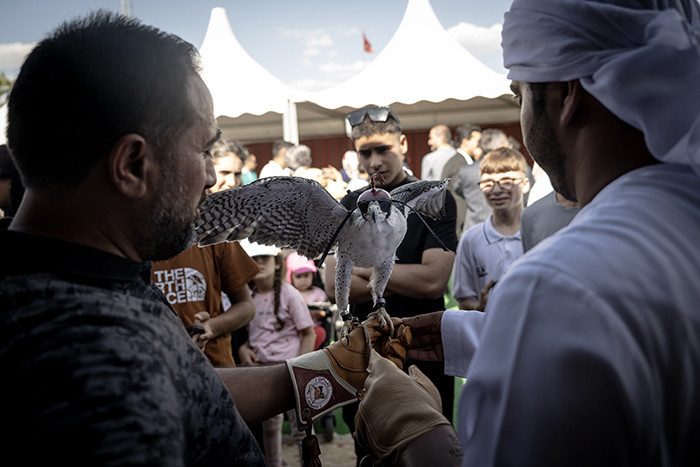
column 298, row 213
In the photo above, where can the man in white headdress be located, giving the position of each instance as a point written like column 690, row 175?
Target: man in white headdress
column 590, row 348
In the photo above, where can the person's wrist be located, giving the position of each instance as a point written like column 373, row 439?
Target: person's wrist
column 214, row 329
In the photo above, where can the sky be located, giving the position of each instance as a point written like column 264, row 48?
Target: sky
column 308, row 44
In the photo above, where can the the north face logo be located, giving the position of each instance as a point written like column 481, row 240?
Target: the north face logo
column 181, row 285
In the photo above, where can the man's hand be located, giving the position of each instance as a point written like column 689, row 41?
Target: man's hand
column 426, row 343
column 484, row 295
column 364, row 273
column 397, row 409
column 203, row 319
column 478, row 303
column 247, row 355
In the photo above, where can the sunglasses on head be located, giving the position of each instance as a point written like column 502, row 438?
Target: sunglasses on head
column 375, row 114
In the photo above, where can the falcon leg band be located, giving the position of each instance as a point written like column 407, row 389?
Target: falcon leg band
column 381, row 303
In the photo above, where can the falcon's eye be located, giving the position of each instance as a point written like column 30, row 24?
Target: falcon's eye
column 385, row 205
column 363, row 205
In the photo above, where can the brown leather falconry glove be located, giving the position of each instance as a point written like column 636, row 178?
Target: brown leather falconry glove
column 332, row 377
column 397, row 409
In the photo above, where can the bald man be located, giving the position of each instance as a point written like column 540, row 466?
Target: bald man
column 440, row 143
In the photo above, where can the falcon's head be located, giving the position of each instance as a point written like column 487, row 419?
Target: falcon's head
column 375, row 203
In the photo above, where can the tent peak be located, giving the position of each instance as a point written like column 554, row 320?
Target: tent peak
column 238, row 83
column 399, row 73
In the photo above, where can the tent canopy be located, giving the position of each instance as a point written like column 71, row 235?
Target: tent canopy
column 315, row 120
column 421, row 62
column 248, row 100
column 237, row 82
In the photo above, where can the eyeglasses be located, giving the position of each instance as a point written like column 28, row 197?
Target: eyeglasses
column 505, row 183
column 375, row 114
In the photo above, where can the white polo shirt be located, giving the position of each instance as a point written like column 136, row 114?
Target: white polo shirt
column 483, row 254
column 589, row 352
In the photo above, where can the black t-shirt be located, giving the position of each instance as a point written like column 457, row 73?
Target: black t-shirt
column 418, row 239
column 98, row 369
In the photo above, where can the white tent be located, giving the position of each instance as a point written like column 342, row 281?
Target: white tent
column 405, row 75
column 238, row 83
column 421, row 62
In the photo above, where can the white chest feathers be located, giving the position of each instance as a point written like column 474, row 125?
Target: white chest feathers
column 369, row 243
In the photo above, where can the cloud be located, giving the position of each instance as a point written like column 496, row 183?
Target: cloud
column 312, row 40
column 321, row 39
column 327, row 75
column 320, row 50
column 477, row 39
column 350, row 31
column 343, row 70
column 311, row 52
column 12, row 54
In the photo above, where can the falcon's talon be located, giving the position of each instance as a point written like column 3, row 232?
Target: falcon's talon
column 381, row 315
column 350, row 323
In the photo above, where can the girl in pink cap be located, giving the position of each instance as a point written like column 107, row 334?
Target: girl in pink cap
column 282, row 328
column 300, row 273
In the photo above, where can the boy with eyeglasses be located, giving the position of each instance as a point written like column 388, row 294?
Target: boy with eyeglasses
column 487, row 249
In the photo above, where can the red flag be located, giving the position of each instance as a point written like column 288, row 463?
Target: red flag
column 368, row 46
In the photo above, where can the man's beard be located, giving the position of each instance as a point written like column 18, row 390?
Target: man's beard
column 171, row 230
column 546, row 150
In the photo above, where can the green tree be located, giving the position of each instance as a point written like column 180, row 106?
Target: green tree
column 5, row 86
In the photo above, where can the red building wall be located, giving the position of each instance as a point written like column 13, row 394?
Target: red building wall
column 329, row 150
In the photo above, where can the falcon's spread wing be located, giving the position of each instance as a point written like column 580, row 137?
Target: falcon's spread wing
column 425, row 197
column 282, row 211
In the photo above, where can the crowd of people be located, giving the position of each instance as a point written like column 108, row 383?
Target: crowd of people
column 577, row 326
column 295, row 160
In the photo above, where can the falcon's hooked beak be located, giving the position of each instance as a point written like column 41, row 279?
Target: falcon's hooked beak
column 374, row 210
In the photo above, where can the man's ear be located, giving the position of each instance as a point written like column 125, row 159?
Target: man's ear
column 403, row 145
column 571, row 98
column 131, row 161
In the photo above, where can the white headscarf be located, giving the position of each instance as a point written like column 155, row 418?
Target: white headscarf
column 642, row 65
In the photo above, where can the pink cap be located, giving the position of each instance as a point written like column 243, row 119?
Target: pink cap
column 298, row 264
